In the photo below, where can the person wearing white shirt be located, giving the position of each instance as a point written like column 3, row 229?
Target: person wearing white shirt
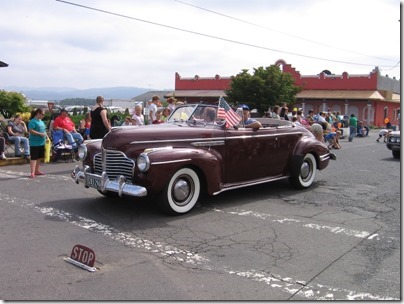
column 153, row 109
column 138, row 118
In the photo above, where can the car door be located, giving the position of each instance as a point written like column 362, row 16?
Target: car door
column 249, row 154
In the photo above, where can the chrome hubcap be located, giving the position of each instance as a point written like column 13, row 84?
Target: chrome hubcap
column 181, row 190
column 305, row 170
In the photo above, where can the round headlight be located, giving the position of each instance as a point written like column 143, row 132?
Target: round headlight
column 143, row 162
column 82, row 152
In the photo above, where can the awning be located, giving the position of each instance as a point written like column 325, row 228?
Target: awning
column 196, row 93
column 340, row 94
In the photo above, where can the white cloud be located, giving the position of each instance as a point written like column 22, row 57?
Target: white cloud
column 51, row 43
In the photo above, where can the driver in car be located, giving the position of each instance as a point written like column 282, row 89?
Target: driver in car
column 249, row 122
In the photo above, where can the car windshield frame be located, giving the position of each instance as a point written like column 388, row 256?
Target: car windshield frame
column 191, row 114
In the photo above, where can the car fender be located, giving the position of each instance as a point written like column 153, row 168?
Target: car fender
column 305, row 146
column 165, row 162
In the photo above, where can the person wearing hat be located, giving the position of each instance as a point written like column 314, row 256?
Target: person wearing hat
column 63, row 122
column 249, row 122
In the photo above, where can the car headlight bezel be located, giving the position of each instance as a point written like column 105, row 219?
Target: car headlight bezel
column 82, row 152
column 143, row 162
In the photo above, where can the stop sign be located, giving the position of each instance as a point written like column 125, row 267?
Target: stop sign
column 83, row 255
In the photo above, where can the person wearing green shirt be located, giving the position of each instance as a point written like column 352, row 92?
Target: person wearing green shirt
column 37, row 138
column 353, row 125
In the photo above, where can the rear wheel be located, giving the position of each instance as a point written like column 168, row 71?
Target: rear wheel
column 306, row 173
column 181, row 193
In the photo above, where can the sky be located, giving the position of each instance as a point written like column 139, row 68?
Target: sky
column 85, row 44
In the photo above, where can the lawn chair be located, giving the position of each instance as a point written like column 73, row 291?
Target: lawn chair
column 9, row 149
column 60, row 149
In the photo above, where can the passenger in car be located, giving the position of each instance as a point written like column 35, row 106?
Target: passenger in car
column 249, row 122
column 317, row 131
column 209, row 115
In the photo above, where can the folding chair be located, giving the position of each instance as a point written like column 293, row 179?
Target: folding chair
column 9, row 148
column 60, row 149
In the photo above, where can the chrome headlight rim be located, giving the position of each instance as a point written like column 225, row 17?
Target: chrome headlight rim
column 143, row 162
column 82, row 152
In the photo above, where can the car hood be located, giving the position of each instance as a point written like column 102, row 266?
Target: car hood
column 142, row 137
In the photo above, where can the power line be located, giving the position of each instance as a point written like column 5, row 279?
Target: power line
column 213, row 37
column 284, row 33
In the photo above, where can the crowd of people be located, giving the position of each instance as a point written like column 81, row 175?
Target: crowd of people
column 332, row 124
column 29, row 140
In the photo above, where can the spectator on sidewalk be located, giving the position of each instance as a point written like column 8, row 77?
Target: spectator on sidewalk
column 353, row 125
column 17, row 131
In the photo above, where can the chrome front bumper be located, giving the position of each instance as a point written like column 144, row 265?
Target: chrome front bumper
column 103, row 184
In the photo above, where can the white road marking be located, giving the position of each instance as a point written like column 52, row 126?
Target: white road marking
column 274, row 218
column 287, row 285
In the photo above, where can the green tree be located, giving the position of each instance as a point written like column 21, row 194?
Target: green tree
column 266, row 87
column 12, row 103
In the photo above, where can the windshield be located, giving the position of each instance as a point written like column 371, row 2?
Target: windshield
column 182, row 113
column 196, row 115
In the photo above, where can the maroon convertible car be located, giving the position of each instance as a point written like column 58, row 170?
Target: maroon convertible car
column 175, row 162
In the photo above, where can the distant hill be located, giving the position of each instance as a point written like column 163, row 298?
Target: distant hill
column 57, row 94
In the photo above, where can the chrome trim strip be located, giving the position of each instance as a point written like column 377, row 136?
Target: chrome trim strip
column 176, row 140
column 196, row 140
column 324, row 157
column 208, row 143
column 171, row 161
column 249, row 184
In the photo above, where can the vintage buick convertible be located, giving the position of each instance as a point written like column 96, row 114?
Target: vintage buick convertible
column 175, row 162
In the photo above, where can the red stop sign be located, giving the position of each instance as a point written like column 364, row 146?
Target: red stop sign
column 83, row 255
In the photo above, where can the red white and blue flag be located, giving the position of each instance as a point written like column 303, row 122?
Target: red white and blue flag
column 226, row 112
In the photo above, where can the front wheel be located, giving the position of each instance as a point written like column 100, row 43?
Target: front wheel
column 181, row 193
column 306, row 173
column 396, row 154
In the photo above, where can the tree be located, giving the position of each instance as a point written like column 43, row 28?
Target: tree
column 267, row 87
column 12, row 103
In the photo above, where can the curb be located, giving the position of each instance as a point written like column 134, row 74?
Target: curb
column 13, row 161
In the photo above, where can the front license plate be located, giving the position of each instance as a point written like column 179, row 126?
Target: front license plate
column 94, row 183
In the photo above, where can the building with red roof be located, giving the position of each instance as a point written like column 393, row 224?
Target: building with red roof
column 371, row 97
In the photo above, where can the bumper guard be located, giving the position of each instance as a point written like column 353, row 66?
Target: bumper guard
column 103, row 184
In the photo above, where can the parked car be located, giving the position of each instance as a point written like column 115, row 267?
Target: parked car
column 394, row 142
column 116, row 110
column 78, row 109
column 179, row 160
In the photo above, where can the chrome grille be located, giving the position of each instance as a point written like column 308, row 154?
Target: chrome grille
column 115, row 164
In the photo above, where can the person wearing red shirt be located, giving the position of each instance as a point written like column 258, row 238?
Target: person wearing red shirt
column 63, row 122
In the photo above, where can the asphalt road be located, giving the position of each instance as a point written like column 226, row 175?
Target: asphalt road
column 339, row 240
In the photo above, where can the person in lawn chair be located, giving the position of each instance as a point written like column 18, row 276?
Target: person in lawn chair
column 64, row 123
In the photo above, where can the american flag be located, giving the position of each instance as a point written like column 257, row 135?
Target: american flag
column 226, row 112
